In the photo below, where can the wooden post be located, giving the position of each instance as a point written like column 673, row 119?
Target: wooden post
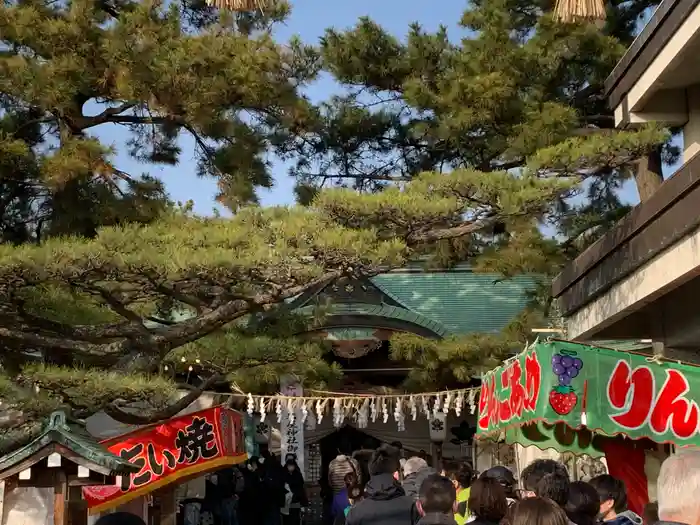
column 437, row 456
column 168, row 506
column 60, row 516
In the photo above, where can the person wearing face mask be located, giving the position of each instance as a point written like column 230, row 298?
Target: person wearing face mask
column 461, row 475
column 613, row 501
column 294, row 481
column 252, row 497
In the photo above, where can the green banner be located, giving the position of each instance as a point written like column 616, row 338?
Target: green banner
column 562, row 395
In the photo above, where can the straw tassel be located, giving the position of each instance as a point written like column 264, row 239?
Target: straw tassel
column 238, row 5
column 568, row 11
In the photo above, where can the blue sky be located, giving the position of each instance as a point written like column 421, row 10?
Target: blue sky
column 309, row 19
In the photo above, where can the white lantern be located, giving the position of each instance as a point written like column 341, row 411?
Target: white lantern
column 262, row 431
column 438, row 427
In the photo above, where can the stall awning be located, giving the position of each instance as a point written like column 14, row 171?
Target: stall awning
column 178, row 449
column 567, row 396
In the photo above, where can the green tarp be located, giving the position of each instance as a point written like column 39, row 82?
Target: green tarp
column 568, row 396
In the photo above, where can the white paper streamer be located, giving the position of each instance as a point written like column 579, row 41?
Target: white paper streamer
column 251, row 405
column 414, row 407
column 263, row 409
column 459, row 403
column 446, row 405
column 360, row 409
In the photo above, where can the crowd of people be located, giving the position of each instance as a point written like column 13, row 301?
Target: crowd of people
column 386, row 490
column 410, row 492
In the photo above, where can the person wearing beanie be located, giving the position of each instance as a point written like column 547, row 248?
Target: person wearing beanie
column 340, row 467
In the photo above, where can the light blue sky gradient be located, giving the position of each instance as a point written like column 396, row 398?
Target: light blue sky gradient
column 309, row 20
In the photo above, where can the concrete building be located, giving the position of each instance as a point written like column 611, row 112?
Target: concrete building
column 641, row 280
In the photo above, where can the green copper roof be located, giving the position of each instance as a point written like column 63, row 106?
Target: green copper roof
column 387, row 311
column 460, row 300
column 85, row 450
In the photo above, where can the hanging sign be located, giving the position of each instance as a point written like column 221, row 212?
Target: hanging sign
column 179, row 448
column 438, row 427
column 292, row 423
column 567, row 393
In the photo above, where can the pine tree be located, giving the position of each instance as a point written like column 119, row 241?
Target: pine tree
column 515, row 82
column 93, row 319
column 516, row 91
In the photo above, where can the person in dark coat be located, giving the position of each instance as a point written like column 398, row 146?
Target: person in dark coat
column 436, row 501
column 385, row 501
column 272, row 475
column 252, row 497
column 415, row 471
column 294, row 479
column 613, row 501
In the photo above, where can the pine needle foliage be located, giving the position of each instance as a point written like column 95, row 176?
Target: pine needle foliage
column 462, row 150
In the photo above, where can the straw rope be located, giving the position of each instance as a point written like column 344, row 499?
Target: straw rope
column 238, row 5
column 576, row 10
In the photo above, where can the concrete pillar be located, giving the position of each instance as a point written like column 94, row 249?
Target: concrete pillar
column 691, row 130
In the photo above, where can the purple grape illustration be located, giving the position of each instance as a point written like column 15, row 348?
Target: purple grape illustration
column 566, row 366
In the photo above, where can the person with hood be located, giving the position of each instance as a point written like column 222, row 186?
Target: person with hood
column 504, row 476
column 436, row 501
column 677, row 489
column 613, row 501
column 415, row 471
column 294, row 481
column 385, row 501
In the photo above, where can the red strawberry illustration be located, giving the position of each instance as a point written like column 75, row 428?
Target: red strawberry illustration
column 563, row 399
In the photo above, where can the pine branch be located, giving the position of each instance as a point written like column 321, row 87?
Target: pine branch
column 118, row 413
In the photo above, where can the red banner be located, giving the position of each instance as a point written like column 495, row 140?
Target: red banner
column 182, row 447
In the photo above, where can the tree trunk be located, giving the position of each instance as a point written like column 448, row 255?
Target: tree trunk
column 648, row 175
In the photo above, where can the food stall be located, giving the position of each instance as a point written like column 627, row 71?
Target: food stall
column 631, row 409
column 167, row 455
